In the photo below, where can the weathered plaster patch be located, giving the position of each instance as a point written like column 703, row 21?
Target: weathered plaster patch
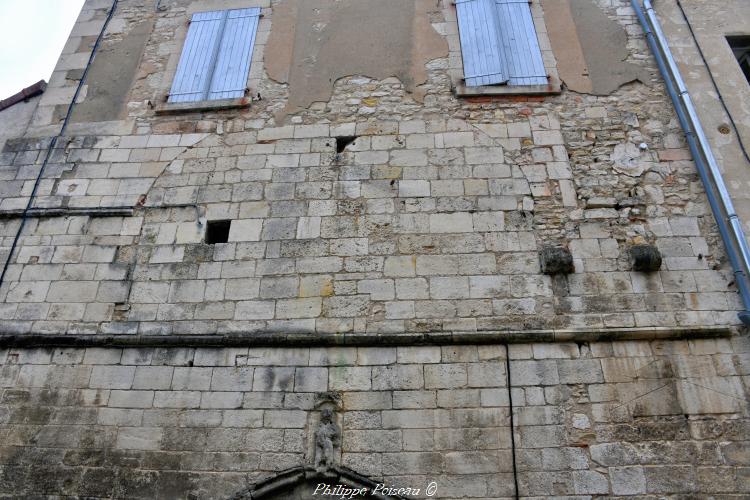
column 571, row 64
column 398, row 38
column 627, row 159
column 112, row 74
column 594, row 61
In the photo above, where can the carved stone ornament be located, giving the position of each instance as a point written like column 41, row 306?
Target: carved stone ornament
column 327, row 440
column 324, row 431
column 323, row 468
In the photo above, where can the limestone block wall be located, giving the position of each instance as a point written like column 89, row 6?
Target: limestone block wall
column 430, row 220
column 624, row 419
column 414, row 231
column 646, row 419
column 165, row 422
column 386, row 214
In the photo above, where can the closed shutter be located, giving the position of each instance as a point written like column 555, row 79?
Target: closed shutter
column 235, row 53
column 216, row 57
column 518, row 36
column 198, row 55
column 481, row 48
column 499, row 43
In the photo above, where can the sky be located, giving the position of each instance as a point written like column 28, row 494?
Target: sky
column 32, row 35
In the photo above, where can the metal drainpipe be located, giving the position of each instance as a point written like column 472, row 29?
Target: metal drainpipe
column 708, row 169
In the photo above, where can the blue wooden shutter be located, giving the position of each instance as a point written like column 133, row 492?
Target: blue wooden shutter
column 215, row 59
column 198, row 57
column 235, row 53
column 481, row 47
column 519, row 40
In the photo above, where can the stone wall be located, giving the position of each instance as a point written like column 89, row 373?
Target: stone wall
column 15, row 120
column 431, row 220
column 618, row 419
column 726, row 129
column 384, row 215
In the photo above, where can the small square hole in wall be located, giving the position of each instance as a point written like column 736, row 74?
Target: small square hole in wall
column 343, row 141
column 217, row 231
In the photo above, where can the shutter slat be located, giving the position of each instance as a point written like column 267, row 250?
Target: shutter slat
column 481, row 48
column 196, row 61
column 235, row 54
column 520, row 43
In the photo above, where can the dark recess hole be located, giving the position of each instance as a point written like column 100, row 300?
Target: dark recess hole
column 741, row 48
column 343, row 141
column 217, row 231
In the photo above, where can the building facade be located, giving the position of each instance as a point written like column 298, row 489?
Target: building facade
column 257, row 246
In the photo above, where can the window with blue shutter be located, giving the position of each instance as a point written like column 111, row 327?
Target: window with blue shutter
column 215, row 59
column 481, row 46
column 499, row 43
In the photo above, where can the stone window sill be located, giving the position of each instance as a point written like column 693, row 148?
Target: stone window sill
column 552, row 88
column 192, row 107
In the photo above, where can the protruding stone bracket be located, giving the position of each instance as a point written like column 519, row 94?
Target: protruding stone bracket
column 645, row 258
column 556, row 260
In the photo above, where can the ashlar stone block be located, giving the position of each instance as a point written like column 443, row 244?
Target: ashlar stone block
column 245, row 230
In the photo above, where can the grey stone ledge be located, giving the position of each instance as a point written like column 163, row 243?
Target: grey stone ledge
column 195, row 107
column 554, row 87
column 62, row 212
column 286, row 339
